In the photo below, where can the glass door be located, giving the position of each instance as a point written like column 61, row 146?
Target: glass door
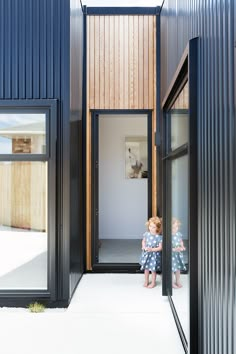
column 121, row 187
column 180, row 197
column 176, row 218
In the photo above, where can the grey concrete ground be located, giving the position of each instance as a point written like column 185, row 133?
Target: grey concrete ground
column 109, row 314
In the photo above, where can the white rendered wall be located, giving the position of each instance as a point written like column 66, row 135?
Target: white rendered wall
column 123, row 203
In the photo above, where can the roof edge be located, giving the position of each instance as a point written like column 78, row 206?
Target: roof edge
column 103, row 11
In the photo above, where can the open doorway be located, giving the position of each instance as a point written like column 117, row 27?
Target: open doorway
column 121, row 186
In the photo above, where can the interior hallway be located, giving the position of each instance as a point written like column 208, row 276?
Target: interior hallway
column 109, row 314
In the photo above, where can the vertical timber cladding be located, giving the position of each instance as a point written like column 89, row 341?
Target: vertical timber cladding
column 121, row 74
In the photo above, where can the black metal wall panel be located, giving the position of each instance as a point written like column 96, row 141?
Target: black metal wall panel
column 31, row 62
column 35, row 64
column 213, row 22
column 76, row 170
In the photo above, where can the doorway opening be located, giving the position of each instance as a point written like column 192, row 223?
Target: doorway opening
column 121, row 187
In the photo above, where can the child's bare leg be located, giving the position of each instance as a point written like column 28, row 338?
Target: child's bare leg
column 146, row 277
column 174, row 285
column 153, row 283
column 177, row 274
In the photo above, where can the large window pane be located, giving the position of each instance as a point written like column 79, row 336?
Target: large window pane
column 179, row 116
column 23, row 225
column 22, row 133
column 180, row 237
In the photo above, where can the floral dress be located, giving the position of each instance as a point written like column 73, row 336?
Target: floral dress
column 151, row 260
column 177, row 257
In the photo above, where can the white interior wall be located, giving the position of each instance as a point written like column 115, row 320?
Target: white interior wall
column 180, row 196
column 123, row 204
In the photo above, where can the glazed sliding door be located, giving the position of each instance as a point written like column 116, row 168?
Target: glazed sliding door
column 177, row 201
column 180, row 225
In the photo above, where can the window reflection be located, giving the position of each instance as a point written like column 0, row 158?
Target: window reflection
column 180, row 238
column 180, row 119
column 23, row 225
column 179, row 127
column 178, row 248
column 22, row 133
column 179, row 211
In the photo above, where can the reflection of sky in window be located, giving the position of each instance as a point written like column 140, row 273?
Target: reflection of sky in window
column 5, row 146
column 10, row 120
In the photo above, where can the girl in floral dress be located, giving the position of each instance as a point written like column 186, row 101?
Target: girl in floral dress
column 150, row 259
column 177, row 255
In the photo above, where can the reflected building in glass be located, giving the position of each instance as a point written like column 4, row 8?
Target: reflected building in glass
column 23, row 203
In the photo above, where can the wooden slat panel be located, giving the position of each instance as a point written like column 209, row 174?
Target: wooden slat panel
column 136, row 61
column 88, row 50
column 20, row 194
column 38, row 197
column 97, row 62
column 126, row 62
column 112, row 64
column 117, row 61
column 107, row 61
column 121, row 69
column 140, row 58
column 145, row 62
column 150, row 61
column 131, row 62
column 121, row 61
column 23, row 195
column 102, row 62
column 5, row 210
column 91, row 67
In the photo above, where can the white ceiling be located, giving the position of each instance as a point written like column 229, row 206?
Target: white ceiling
column 122, row 3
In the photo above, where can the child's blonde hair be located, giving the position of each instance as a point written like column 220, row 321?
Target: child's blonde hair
column 155, row 220
column 176, row 221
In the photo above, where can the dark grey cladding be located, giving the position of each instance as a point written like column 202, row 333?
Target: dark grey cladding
column 213, row 22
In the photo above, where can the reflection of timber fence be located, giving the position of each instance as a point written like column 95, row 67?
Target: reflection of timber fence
column 23, row 199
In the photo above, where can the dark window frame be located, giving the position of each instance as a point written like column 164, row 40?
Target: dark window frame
column 49, row 108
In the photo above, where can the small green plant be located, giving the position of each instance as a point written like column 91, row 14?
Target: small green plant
column 36, row 307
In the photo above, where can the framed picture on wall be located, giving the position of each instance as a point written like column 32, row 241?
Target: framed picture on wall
column 136, row 157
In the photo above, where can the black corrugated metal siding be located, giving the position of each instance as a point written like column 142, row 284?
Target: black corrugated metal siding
column 76, row 136
column 213, row 22
column 35, row 64
column 32, row 56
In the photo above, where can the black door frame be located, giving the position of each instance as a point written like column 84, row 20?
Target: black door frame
column 113, row 267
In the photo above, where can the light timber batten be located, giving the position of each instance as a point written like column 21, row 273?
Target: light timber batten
column 121, row 70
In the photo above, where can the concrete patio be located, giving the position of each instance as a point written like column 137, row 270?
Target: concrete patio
column 109, row 314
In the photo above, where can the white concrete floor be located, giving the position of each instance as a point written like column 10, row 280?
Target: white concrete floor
column 181, row 301
column 23, row 259
column 109, row 314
